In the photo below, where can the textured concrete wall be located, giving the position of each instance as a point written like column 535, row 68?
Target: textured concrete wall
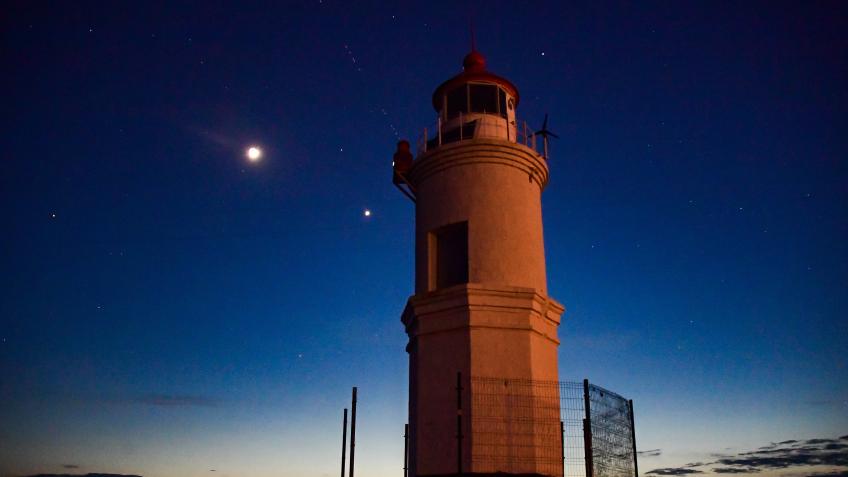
column 496, row 186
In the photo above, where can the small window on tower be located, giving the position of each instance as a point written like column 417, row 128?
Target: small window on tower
column 457, row 102
column 484, row 98
column 448, row 256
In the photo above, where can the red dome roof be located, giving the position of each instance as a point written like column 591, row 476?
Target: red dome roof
column 473, row 69
column 474, row 61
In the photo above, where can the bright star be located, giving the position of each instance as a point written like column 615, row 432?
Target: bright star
column 254, row 154
column 366, row 212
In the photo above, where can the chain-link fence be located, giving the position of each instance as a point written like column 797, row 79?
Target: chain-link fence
column 543, row 427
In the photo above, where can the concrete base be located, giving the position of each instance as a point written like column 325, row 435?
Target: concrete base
column 482, row 331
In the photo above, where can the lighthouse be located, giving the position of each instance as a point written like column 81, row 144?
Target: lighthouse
column 481, row 311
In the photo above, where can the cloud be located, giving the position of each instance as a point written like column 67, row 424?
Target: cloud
column 795, row 454
column 649, row 453
column 783, row 457
column 673, row 471
column 70, row 466
column 166, row 400
column 819, row 441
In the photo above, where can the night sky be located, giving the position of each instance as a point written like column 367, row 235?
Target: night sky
column 169, row 307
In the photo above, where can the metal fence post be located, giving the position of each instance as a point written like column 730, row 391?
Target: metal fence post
column 344, row 440
column 561, row 443
column 633, row 438
column 459, row 423
column 405, row 449
column 587, row 431
column 352, row 429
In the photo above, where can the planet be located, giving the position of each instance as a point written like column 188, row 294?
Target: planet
column 254, row 154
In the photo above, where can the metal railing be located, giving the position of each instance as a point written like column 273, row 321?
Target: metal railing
column 468, row 127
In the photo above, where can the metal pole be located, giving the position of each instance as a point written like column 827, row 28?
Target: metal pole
column 344, row 440
column 526, row 139
column 561, row 444
column 425, row 139
column 633, row 437
column 587, row 432
column 440, row 129
column 352, row 429
column 405, row 449
column 459, row 423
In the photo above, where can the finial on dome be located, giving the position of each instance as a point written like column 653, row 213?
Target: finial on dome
column 474, row 61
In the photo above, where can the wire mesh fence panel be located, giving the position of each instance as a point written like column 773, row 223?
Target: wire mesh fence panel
column 515, row 426
column 612, row 435
column 572, row 414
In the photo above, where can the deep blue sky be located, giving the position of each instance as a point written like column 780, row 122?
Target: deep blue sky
column 168, row 308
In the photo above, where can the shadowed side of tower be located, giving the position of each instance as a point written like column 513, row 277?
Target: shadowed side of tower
column 480, row 306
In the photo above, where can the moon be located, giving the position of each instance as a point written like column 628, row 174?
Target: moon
column 254, row 154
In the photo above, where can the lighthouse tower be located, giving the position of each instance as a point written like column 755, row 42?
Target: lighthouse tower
column 480, row 308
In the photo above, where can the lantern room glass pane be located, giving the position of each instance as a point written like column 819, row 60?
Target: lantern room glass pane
column 457, row 102
column 484, row 98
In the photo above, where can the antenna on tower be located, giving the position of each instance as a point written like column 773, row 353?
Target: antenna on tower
column 545, row 132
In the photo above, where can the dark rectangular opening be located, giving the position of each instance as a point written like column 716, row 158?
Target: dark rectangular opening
column 449, row 256
column 457, row 101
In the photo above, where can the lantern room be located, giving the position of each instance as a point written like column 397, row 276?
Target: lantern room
column 475, row 104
